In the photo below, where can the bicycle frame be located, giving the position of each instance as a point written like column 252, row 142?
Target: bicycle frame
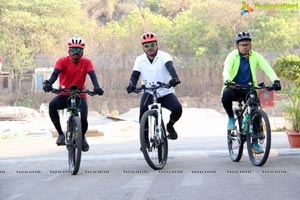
column 249, row 106
column 157, row 107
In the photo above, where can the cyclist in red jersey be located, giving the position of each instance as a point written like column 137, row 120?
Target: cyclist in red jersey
column 71, row 70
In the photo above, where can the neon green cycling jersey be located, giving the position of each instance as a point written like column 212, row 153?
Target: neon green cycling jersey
column 232, row 64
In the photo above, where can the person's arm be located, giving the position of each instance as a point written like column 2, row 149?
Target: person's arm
column 228, row 67
column 54, row 76
column 175, row 80
column 94, row 79
column 171, row 69
column 135, row 75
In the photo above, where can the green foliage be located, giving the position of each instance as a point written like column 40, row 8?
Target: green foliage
column 275, row 33
column 293, row 107
column 288, row 67
column 30, row 27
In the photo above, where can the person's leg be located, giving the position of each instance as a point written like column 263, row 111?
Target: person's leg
column 228, row 96
column 172, row 103
column 257, row 128
column 58, row 103
column 84, row 116
column 84, row 123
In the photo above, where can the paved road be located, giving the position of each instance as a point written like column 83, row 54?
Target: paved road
column 197, row 168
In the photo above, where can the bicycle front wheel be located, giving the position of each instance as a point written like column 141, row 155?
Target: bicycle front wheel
column 235, row 141
column 74, row 145
column 155, row 149
column 259, row 140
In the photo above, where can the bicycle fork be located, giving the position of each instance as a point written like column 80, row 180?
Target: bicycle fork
column 155, row 124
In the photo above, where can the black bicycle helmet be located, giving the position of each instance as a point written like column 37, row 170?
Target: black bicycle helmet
column 242, row 36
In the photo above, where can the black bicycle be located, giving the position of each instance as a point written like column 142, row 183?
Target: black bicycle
column 153, row 138
column 74, row 131
column 252, row 126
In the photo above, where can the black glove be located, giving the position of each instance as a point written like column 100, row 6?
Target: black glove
column 130, row 88
column 174, row 81
column 276, row 85
column 98, row 91
column 47, row 86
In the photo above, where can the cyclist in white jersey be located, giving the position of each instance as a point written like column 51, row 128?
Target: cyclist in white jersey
column 155, row 65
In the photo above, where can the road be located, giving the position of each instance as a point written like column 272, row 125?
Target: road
column 114, row 168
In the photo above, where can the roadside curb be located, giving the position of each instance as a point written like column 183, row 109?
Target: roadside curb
column 138, row 156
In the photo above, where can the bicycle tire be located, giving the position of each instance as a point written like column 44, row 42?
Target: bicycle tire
column 235, row 140
column 156, row 154
column 259, row 159
column 74, row 145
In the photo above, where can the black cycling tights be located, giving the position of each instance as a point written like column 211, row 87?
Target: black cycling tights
column 59, row 103
column 169, row 102
column 229, row 95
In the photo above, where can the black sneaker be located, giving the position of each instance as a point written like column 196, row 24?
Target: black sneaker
column 61, row 140
column 172, row 133
column 85, row 145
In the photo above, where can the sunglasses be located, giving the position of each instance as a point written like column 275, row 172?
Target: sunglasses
column 244, row 45
column 148, row 45
column 74, row 49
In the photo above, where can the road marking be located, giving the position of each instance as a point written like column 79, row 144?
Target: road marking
column 14, row 196
column 250, row 177
column 139, row 156
column 192, row 180
column 141, row 183
column 50, row 178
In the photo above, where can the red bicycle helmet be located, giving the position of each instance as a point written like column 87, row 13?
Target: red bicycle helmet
column 148, row 37
column 76, row 42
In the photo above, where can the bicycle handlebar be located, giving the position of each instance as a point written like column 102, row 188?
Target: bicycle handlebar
column 72, row 91
column 249, row 86
column 153, row 87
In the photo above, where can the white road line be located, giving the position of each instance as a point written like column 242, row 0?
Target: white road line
column 250, row 177
column 141, row 183
column 14, row 196
column 50, row 178
column 172, row 154
column 192, row 180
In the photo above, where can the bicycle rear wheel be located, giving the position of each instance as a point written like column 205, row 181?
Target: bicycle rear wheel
column 74, row 144
column 235, row 140
column 155, row 150
column 261, row 134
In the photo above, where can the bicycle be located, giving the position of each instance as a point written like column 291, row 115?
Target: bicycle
column 252, row 125
column 74, row 131
column 155, row 146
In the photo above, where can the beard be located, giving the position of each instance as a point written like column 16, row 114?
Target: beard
column 151, row 52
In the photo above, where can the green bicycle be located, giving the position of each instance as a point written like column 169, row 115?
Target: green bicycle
column 74, row 131
column 252, row 126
